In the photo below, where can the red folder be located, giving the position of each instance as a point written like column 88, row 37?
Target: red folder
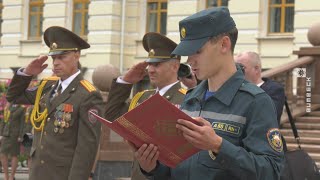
column 154, row 122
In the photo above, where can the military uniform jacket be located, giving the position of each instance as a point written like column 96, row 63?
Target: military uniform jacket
column 27, row 127
column 14, row 126
column 68, row 155
column 117, row 106
column 244, row 116
column 117, row 103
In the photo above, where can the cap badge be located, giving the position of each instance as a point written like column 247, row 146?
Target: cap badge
column 151, row 52
column 183, row 32
column 54, row 46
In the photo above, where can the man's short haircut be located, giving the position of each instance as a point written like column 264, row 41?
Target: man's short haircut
column 233, row 36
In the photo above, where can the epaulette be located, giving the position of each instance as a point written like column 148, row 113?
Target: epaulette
column 183, row 91
column 87, row 85
column 51, row 78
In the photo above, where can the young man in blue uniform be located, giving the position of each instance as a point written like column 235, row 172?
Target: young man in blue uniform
column 238, row 135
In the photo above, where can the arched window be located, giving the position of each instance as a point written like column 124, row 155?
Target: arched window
column 157, row 16
column 35, row 19
column 216, row 3
column 80, row 17
column 281, row 16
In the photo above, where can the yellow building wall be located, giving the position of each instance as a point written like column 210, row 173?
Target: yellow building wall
column 105, row 25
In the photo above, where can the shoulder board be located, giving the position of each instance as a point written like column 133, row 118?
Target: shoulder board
column 251, row 88
column 87, row 85
column 51, row 78
column 148, row 92
column 183, row 90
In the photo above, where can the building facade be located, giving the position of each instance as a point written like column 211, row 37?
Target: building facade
column 114, row 28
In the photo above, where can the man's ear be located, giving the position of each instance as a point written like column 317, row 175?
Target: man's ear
column 225, row 44
column 177, row 65
column 77, row 55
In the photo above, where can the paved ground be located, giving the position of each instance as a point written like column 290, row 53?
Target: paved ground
column 20, row 175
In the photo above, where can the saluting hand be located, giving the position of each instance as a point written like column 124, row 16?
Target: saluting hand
column 36, row 66
column 203, row 137
column 136, row 73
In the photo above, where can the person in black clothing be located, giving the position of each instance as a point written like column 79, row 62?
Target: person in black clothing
column 251, row 63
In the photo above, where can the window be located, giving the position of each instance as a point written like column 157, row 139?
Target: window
column 80, row 17
column 35, row 19
column 1, row 6
column 281, row 16
column 157, row 16
column 216, row 3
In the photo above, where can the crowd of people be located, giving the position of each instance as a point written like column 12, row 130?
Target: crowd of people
column 215, row 91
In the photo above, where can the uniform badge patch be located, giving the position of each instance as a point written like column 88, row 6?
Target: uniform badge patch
column 91, row 118
column 274, row 139
column 230, row 128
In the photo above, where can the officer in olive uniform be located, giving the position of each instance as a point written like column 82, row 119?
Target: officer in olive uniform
column 237, row 128
column 12, row 133
column 66, row 137
column 163, row 74
column 27, row 134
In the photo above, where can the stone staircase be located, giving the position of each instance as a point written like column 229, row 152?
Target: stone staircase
column 309, row 131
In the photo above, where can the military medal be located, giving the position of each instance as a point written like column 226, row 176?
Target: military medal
column 63, row 124
column 61, row 130
column 62, row 117
column 56, row 129
column 56, row 122
column 67, row 117
column 60, row 114
column 68, row 110
column 60, row 107
column 58, row 118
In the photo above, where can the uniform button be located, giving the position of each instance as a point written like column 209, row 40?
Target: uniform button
column 42, row 161
column 41, row 146
column 48, row 119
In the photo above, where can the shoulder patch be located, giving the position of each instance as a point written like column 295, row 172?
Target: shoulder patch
column 51, row 78
column 274, row 139
column 251, row 88
column 87, row 85
column 183, row 90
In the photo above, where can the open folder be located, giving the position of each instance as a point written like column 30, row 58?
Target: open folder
column 154, row 122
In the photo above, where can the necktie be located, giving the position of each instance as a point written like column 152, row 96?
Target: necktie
column 57, row 93
column 59, row 90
